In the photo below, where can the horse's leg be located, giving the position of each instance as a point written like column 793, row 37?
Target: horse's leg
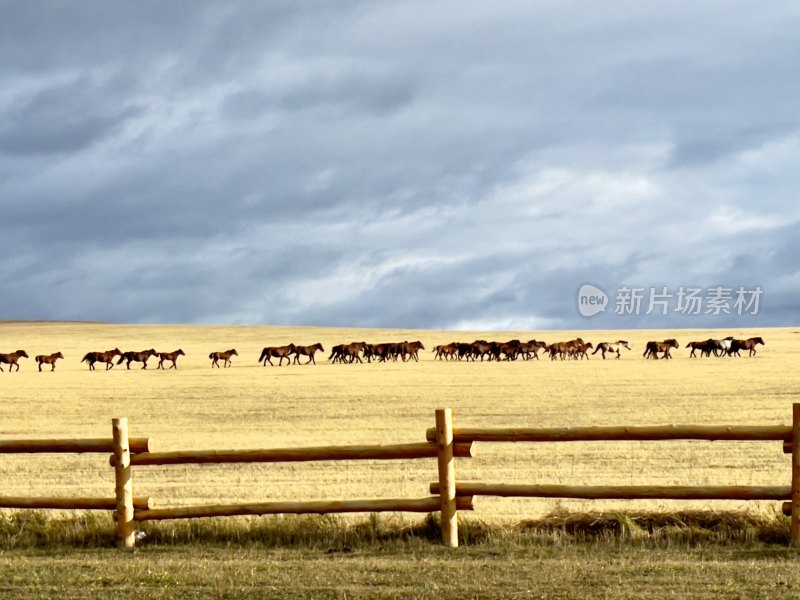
column 40, row 367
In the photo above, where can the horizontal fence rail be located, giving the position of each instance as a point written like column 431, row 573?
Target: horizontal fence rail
column 69, row 503
column 621, row 434
column 622, row 492
column 320, row 453
column 423, row 505
column 103, row 446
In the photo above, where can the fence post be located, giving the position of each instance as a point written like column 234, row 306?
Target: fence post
column 124, row 485
column 447, row 476
column 794, row 540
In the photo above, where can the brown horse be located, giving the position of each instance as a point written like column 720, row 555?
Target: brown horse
column 563, row 350
column 530, row 349
column 129, row 357
column 12, row 359
column 653, row 348
column 172, row 356
column 349, row 353
column 103, row 357
column 748, row 344
column 308, row 351
column 579, row 350
column 445, row 351
column 48, row 359
column 411, row 349
column 225, row 357
column 279, row 352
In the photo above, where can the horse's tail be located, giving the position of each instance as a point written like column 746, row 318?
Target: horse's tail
column 597, row 349
column 264, row 354
column 121, row 359
column 87, row 357
column 211, row 355
column 39, row 359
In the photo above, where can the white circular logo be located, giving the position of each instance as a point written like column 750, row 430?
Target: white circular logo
column 591, row 300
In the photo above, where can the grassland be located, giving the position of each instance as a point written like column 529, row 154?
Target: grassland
column 250, row 406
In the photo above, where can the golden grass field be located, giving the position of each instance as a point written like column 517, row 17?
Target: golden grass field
column 250, row 406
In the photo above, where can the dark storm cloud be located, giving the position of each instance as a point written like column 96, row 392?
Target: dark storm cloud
column 402, row 164
column 62, row 118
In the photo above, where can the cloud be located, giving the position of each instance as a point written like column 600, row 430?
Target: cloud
column 394, row 164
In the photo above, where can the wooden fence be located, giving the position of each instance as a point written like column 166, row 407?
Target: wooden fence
column 443, row 442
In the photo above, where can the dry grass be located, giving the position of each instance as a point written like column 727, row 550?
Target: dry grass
column 561, row 556
column 250, row 406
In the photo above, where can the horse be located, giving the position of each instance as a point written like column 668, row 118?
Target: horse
column 511, row 349
column 141, row 357
column 724, row 348
column 563, row 350
column 173, row 356
column 530, row 349
column 48, row 359
column 482, row 348
column 352, row 352
column 411, row 349
column 308, row 351
column 612, row 348
column 579, row 350
column 12, row 359
column 706, row 347
column 104, row 357
column 748, row 344
column 279, row 352
column 225, row 357
column 444, row 351
column 653, row 348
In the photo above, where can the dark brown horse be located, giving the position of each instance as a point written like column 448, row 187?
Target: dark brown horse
column 279, row 352
column 653, row 348
column 348, row 353
column 706, row 347
column 103, row 357
column 171, row 356
column 12, row 359
column 129, row 357
column 308, row 351
column 225, row 357
column 48, row 359
column 748, row 344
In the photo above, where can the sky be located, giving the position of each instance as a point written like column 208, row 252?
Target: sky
column 458, row 165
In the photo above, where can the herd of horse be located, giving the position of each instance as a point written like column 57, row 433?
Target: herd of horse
column 358, row 352
column 512, row 350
